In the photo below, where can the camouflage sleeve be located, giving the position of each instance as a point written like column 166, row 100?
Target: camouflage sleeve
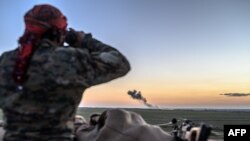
column 5, row 73
column 106, row 62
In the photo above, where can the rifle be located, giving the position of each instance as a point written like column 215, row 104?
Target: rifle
column 188, row 130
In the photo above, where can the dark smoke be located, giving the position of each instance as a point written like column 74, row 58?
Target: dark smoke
column 236, row 94
column 138, row 96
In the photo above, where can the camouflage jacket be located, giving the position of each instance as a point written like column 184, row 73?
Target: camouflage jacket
column 57, row 77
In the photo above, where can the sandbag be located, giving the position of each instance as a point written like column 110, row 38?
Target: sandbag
column 121, row 125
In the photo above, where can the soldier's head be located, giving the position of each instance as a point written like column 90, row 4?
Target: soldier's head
column 41, row 22
column 44, row 21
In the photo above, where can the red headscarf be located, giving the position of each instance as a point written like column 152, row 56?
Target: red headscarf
column 38, row 20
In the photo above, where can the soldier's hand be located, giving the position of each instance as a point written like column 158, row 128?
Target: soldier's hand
column 74, row 38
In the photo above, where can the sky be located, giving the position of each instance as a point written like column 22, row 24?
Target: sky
column 183, row 53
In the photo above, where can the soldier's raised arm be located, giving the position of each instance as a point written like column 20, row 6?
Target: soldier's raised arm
column 105, row 62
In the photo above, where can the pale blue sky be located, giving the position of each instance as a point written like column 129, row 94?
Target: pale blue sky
column 186, row 40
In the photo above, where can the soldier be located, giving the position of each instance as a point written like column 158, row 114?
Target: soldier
column 42, row 81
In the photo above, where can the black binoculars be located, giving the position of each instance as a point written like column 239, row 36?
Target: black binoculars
column 71, row 37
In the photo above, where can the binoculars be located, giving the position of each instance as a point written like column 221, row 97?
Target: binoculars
column 71, row 37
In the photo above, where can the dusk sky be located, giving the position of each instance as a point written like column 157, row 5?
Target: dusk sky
column 183, row 53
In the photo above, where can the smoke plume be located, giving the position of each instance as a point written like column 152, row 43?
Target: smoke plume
column 236, row 94
column 138, row 96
